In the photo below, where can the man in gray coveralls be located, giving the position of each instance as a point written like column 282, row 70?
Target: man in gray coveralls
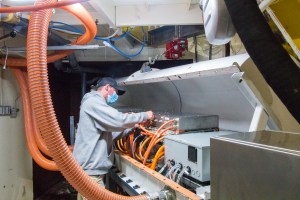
column 99, row 124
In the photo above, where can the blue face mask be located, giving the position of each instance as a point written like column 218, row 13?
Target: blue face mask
column 112, row 98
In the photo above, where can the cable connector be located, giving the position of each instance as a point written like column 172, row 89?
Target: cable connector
column 107, row 44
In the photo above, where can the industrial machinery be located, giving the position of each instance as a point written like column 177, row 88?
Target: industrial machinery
column 187, row 147
column 263, row 158
column 226, row 120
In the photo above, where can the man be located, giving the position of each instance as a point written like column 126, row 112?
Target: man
column 98, row 124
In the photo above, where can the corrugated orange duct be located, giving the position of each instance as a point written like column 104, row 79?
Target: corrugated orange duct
column 29, row 130
column 90, row 33
column 44, row 111
column 38, row 138
column 39, row 7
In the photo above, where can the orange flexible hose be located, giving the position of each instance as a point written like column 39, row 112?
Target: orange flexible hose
column 38, row 138
column 90, row 33
column 33, row 149
column 39, row 7
column 44, row 111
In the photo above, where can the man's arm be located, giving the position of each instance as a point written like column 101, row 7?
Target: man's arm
column 107, row 118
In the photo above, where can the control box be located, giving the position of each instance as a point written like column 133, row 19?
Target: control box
column 188, row 122
column 175, row 49
column 192, row 150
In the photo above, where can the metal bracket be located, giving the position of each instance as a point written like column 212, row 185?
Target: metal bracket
column 262, row 116
column 8, row 111
column 167, row 194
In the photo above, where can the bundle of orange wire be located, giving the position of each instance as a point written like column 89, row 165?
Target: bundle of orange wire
column 142, row 149
column 157, row 137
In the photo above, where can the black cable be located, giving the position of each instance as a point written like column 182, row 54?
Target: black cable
column 179, row 97
column 272, row 60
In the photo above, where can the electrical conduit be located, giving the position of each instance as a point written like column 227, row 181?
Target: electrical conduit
column 38, row 138
column 90, row 33
column 39, row 7
column 44, row 111
column 34, row 150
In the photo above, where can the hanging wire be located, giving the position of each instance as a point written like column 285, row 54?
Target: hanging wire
column 106, row 40
column 6, row 50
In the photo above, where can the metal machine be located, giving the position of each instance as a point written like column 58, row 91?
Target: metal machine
column 211, row 138
column 209, row 99
column 192, row 152
column 256, row 165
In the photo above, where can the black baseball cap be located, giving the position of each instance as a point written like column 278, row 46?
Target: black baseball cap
column 112, row 82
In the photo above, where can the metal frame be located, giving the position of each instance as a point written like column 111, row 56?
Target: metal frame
column 142, row 175
column 263, row 117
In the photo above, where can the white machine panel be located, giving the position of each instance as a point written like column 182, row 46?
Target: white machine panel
column 192, row 150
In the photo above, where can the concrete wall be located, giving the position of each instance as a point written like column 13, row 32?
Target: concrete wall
column 15, row 160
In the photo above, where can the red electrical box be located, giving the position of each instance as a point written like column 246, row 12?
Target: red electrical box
column 175, row 49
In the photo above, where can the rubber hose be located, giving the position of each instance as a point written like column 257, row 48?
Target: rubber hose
column 44, row 111
column 33, row 149
column 271, row 59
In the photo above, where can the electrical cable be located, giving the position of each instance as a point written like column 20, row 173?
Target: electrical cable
column 164, row 167
column 122, row 36
column 133, row 145
column 175, row 173
column 156, row 157
column 142, row 147
column 6, row 56
column 76, row 30
column 180, row 101
column 153, row 140
column 172, row 169
column 184, row 170
column 107, row 40
column 109, row 44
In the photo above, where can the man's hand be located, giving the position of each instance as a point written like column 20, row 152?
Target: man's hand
column 150, row 115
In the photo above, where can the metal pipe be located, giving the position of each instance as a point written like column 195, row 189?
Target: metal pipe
column 64, row 47
column 196, row 48
column 83, row 84
column 264, row 4
column 259, row 119
column 210, row 52
column 227, row 49
column 12, row 34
